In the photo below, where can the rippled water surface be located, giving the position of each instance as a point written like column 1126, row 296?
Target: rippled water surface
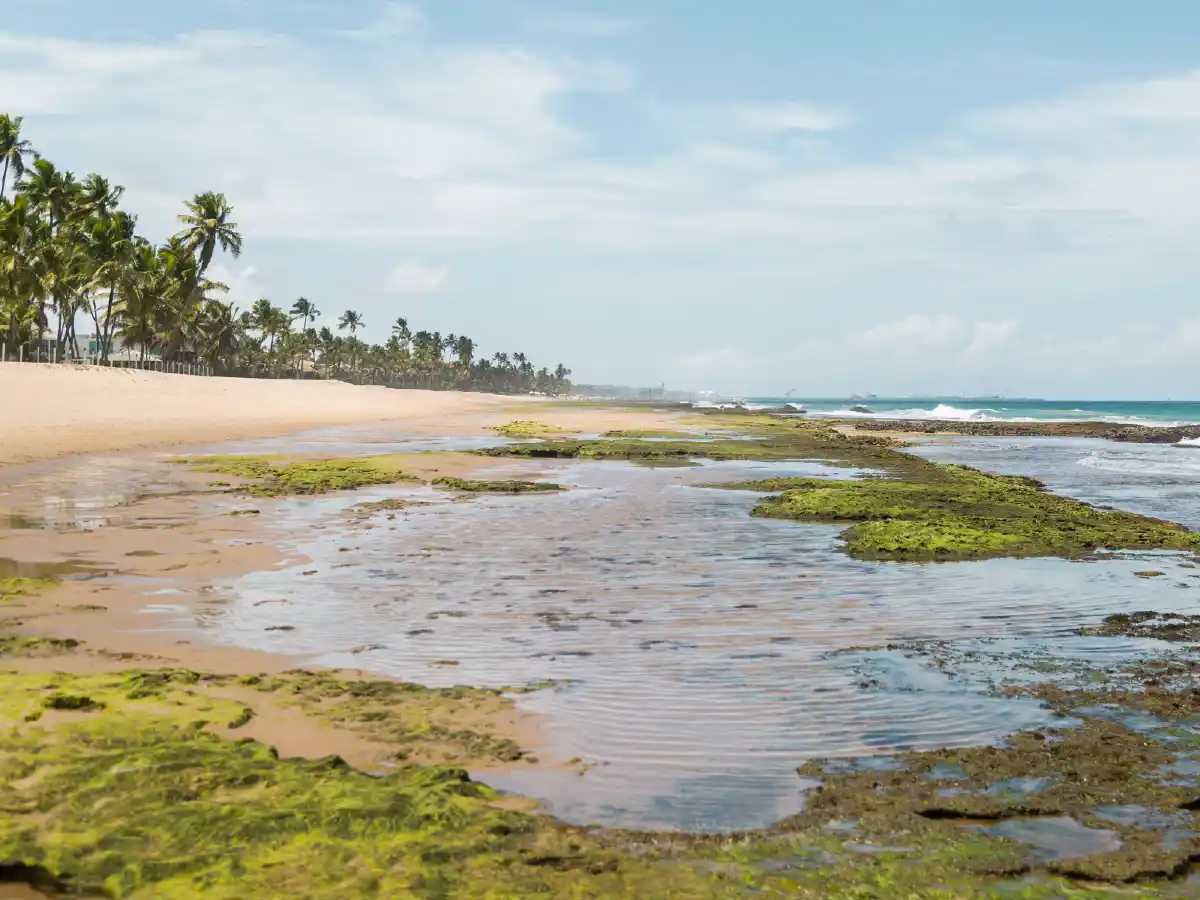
column 693, row 645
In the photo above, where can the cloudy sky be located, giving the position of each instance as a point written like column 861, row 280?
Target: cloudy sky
column 908, row 196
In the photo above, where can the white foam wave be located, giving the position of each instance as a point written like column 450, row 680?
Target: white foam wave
column 1189, row 442
column 1136, row 420
column 941, row 412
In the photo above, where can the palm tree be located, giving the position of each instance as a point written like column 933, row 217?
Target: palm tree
column 207, row 225
column 100, row 197
column 112, row 245
column 13, row 150
column 218, row 334
column 307, row 310
column 50, row 190
column 262, row 314
column 401, row 332
column 350, row 320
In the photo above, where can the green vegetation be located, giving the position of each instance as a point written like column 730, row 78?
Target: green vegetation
column 1148, row 624
column 961, row 513
column 67, row 249
column 422, row 723
column 634, row 449
column 10, row 588
column 19, row 645
column 274, row 478
column 527, row 429
column 648, row 433
column 134, row 785
column 126, row 793
column 496, row 487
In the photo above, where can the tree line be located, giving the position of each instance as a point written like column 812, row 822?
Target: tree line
column 68, row 251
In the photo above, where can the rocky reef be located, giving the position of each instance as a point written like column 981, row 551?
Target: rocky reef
column 955, row 512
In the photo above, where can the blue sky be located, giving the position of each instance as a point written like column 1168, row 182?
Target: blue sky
column 887, row 197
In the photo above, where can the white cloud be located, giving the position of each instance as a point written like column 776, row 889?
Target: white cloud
column 395, row 20
column 772, row 118
column 583, row 25
column 1034, row 212
column 243, row 282
column 412, row 278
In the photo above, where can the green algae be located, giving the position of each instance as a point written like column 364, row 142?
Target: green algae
column 527, row 429
column 468, row 486
column 128, row 795
column 21, row 645
column 270, row 477
column 419, row 721
column 956, row 512
column 11, row 588
column 1148, row 624
column 643, row 433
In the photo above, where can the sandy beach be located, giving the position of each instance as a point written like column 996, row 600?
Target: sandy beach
column 51, row 411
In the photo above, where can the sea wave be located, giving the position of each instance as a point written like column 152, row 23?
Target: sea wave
column 941, row 412
column 1189, row 442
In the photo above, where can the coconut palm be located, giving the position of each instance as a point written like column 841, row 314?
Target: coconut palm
column 13, row 149
column 99, row 196
column 112, row 243
column 350, row 321
column 218, row 334
column 207, row 226
column 305, row 310
column 51, row 191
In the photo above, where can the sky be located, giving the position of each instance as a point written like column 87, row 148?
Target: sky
column 910, row 196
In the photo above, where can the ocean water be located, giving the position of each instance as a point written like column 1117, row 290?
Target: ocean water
column 1134, row 412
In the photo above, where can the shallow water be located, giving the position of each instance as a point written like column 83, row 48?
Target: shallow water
column 696, row 649
column 691, row 643
column 1153, row 479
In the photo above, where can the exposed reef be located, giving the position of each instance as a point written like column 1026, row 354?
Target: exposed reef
column 270, row 477
column 961, row 513
column 527, row 429
column 468, row 486
column 1140, row 434
column 908, row 509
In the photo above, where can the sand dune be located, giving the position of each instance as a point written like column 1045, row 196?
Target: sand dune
column 49, row 411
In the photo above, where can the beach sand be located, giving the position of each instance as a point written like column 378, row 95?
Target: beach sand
column 49, row 411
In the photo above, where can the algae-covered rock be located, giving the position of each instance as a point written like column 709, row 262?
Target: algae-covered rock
column 956, row 512
column 496, row 487
column 11, row 588
column 527, row 429
column 270, row 477
column 1148, row 624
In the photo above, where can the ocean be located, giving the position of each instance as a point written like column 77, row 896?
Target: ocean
column 1133, row 412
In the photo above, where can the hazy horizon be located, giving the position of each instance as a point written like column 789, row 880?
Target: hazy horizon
column 912, row 198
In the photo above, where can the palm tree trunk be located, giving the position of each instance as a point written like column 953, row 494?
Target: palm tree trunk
column 112, row 290
column 4, row 180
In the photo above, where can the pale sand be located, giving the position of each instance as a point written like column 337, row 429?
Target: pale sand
column 49, row 411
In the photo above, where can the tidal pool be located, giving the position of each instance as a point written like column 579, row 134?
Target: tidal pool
column 694, row 648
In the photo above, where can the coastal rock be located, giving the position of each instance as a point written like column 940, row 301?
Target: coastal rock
column 1139, row 434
